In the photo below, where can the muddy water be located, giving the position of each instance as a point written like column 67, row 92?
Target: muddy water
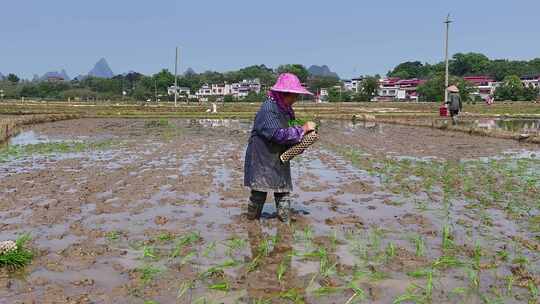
column 110, row 226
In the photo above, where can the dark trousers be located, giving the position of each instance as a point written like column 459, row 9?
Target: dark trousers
column 454, row 114
column 258, row 198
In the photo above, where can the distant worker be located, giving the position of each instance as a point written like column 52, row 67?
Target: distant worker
column 454, row 103
column 489, row 100
column 271, row 136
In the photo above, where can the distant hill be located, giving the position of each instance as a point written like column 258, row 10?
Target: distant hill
column 322, row 71
column 2, row 76
column 101, row 70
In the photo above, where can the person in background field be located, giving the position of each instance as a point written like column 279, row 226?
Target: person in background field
column 454, row 103
column 489, row 100
column 271, row 136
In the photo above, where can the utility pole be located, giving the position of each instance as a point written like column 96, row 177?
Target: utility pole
column 447, row 22
column 176, row 77
column 155, row 87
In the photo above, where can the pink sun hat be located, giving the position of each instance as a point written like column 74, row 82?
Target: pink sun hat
column 453, row 89
column 289, row 83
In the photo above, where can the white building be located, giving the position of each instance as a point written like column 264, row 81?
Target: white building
column 237, row 90
column 353, row 85
column 179, row 90
column 322, row 96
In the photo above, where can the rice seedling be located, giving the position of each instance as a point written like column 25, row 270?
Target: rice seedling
column 149, row 252
column 458, row 291
column 14, row 254
column 223, row 286
column 420, row 273
column 390, row 251
column 282, row 267
column 305, row 235
column 149, row 273
column 235, row 244
column 429, row 285
column 165, row 237
column 209, row 249
column 326, row 268
column 358, row 293
column 520, row 260
column 184, row 241
column 502, row 255
column 474, row 278
column 447, row 238
column 292, row 295
column 445, row 262
column 218, row 269
column 262, row 301
column 510, row 279
column 533, row 290
column 419, row 245
column 49, row 148
column 488, row 300
column 264, row 247
column 318, row 253
column 188, row 258
column 112, row 236
column 411, row 295
column 477, row 255
column 201, row 300
column 326, row 290
column 184, row 288
column 254, row 263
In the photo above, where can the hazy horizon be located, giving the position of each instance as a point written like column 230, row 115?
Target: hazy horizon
column 352, row 38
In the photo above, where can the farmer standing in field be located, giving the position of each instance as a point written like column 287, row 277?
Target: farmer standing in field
column 270, row 137
column 454, row 103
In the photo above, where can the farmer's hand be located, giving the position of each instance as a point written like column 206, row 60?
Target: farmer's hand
column 309, row 126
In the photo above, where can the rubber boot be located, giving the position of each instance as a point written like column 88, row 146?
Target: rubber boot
column 255, row 205
column 283, row 207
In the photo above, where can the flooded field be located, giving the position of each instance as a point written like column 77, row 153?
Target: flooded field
column 151, row 211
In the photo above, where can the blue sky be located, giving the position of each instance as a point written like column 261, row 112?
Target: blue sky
column 352, row 37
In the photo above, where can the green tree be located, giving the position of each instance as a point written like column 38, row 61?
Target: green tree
column 13, row 78
column 512, row 89
column 369, row 88
column 336, row 94
column 408, row 69
column 297, row 69
column 434, row 88
column 163, row 80
column 315, row 83
column 469, row 64
column 265, row 74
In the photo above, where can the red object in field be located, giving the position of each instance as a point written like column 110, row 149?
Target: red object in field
column 443, row 111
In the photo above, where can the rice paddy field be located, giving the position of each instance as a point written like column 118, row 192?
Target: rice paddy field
column 151, row 210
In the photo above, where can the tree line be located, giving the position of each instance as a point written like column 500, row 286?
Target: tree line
column 508, row 72
column 138, row 87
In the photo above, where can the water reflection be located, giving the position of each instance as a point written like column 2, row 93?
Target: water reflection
column 530, row 126
column 28, row 138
